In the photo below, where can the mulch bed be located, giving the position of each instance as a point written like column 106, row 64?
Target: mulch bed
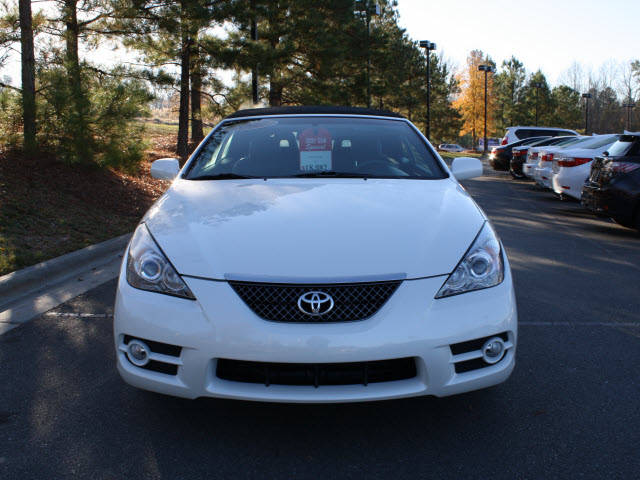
column 48, row 208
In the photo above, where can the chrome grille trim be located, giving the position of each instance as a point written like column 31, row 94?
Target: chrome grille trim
column 279, row 302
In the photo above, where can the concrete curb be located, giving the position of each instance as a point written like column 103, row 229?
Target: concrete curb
column 57, row 269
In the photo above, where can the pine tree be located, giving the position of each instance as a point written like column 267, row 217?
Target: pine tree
column 511, row 92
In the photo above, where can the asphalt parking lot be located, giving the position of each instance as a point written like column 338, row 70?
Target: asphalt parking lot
column 570, row 410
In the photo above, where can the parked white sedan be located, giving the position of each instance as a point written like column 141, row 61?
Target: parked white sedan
column 542, row 173
column 315, row 254
column 532, row 160
column 572, row 166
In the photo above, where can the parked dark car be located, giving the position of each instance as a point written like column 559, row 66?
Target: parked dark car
column 613, row 186
column 519, row 154
column 500, row 157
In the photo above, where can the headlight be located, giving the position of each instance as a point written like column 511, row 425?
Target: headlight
column 149, row 269
column 481, row 267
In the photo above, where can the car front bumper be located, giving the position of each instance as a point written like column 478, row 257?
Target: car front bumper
column 411, row 324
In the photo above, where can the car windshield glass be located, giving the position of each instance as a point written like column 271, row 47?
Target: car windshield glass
column 619, row 148
column 572, row 141
column 315, row 146
column 546, row 141
column 600, row 142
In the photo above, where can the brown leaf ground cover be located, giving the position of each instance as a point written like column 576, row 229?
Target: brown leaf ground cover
column 48, row 208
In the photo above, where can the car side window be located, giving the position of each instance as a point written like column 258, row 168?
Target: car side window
column 524, row 133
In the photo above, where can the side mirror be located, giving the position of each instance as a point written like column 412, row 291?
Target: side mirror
column 165, row 168
column 466, row 167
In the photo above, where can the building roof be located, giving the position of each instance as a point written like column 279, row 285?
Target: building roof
column 309, row 110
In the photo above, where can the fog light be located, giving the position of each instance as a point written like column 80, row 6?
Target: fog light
column 493, row 350
column 138, row 353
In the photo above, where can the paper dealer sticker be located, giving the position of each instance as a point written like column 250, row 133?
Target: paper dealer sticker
column 315, row 150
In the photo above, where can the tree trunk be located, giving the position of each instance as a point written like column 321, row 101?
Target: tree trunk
column 275, row 93
column 28, row 78
column 79, row 129
column 197, row 133
column 182, row 148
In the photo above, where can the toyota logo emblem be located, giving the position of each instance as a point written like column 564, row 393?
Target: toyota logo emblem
column 315, row 303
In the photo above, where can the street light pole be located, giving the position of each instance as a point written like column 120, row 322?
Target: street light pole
column 586, row 96
column 486, row 69
column 629, row 106
column 538, row 86
column 428, row 46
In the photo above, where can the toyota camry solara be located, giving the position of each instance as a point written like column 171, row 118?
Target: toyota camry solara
column 315, row 254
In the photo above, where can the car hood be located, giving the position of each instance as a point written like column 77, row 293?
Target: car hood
column 296, row 229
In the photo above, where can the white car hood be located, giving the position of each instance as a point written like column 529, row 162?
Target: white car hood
column 296, row 229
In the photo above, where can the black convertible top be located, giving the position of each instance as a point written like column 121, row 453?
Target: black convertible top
column 320, row 109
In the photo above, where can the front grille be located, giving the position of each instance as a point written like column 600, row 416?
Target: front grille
column 279, row 302
column 316, row 374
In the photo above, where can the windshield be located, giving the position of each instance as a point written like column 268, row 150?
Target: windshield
column 600, row 141
column 572, row 141
column 621, row 147
column 314, row 146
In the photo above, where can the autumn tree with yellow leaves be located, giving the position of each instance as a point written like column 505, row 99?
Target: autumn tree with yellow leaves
column 470, row 103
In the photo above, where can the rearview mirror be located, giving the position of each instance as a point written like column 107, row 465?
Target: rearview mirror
column 165, row 168
column 464, row 168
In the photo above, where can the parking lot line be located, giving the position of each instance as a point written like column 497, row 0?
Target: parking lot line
column 580, row 324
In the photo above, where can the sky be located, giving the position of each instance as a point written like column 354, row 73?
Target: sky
column 546, row 34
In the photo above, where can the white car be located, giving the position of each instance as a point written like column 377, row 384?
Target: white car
column 542, row 173
column 449, row 147
column 513, row 134
column 315, row 254
column 571, row 168
column 532, row 155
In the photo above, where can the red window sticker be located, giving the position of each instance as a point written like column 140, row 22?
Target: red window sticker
column 315, row 150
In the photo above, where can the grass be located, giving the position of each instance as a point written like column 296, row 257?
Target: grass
column 452, row 155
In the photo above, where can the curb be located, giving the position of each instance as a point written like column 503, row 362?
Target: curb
column 53, row 271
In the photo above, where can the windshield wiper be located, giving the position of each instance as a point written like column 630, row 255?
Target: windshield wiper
column 331, row 173
column 221, row 176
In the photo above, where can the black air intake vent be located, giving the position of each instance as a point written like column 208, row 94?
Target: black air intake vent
column 316, row 374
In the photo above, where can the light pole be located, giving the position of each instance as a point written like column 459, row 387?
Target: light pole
column 486, row 69
column 629, row 106
column 586, row 96
column 369, row 9
column 428, row 46
column 538, row 87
